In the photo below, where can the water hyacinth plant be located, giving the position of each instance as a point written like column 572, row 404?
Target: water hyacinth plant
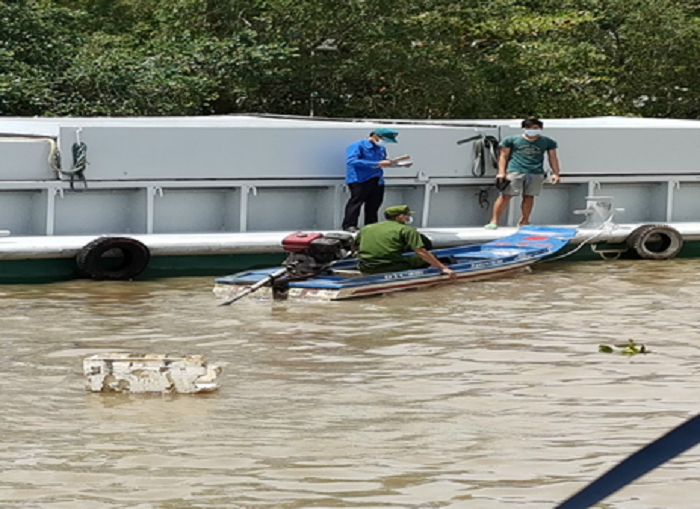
column 629, row 348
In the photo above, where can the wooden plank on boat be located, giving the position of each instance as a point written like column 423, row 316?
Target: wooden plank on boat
column 151, row 373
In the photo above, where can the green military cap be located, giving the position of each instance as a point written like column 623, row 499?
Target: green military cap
column 397, row 210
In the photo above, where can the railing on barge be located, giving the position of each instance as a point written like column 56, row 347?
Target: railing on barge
column 206, row 206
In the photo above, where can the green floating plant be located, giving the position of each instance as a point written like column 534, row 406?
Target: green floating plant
column 629, row 348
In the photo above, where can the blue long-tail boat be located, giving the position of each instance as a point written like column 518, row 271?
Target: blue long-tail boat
column 342, row 280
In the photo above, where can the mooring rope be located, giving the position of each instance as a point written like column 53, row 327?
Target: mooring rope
column 606, row 227
column 485, row 148
column 54, row 160
column 77, row 172
column 483, row 195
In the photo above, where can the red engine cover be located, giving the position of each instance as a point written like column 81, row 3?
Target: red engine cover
column 299, row 242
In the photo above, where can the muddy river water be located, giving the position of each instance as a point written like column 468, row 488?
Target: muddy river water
column 479, row 395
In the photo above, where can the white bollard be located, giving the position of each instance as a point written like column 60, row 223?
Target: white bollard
column 137, row 373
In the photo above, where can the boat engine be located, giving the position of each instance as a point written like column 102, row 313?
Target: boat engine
column 312, row 253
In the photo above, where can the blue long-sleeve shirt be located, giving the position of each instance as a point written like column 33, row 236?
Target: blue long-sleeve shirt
column 361, row 160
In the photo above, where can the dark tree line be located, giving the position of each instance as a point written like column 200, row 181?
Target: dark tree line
column 351, row 58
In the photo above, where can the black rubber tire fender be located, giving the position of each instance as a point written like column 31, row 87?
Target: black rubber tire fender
column 655, row 242
column 135, row 258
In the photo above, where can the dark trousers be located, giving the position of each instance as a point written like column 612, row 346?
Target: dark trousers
column 370, row 194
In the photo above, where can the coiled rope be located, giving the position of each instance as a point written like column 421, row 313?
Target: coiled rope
column 79, row 157
column 79, row 151
column 484, row 152
column 483, row 195
column 77, row 172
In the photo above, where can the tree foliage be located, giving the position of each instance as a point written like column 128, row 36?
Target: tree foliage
column 355, row 58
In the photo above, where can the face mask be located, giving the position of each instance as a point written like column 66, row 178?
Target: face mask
column 533, row 132
column 380, row 143
column 409, row 220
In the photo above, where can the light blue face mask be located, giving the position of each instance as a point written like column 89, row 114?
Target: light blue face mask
column 381, row 143
column 533, row 132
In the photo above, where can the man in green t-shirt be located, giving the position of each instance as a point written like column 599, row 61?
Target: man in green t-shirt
column 381, row 246
column 521, row 169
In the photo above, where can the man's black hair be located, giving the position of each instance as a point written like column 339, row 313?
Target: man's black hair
column 532, row 122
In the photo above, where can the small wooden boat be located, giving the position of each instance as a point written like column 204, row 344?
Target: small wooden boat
column 340, row 279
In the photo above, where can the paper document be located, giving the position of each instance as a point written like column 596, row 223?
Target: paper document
column 402, row 164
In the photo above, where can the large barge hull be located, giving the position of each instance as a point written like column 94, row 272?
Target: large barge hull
column 208, row 182
column 50, row 259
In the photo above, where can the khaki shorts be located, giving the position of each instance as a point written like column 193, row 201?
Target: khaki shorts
column 526, row 184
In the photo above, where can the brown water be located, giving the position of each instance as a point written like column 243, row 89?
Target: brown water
column 481, row 395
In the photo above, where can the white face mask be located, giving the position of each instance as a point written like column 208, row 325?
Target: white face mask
column 409, row 220
column 533, row 132
column 380, row 143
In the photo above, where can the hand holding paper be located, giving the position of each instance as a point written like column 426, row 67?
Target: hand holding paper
column 403, row 161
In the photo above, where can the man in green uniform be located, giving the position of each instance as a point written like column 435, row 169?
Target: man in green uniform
column 521, row 163
column 381, row 246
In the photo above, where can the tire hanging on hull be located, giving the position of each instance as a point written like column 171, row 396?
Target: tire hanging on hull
column 655, row 242
column 93, row 260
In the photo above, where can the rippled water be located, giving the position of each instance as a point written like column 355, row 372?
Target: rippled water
column 481, row 395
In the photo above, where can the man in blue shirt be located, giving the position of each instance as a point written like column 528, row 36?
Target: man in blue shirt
column 365, row 161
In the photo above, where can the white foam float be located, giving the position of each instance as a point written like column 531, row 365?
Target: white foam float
column 151, row 373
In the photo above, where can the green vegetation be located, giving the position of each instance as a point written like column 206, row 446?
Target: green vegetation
column 351, row 58
column 630, row 348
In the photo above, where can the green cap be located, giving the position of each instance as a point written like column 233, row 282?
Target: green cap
column 388, row 135
column 397, row 210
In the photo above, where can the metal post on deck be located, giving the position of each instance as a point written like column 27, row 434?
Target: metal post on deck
column 245, row 190
column 338, row 209
column 151, row 193
column 593, row 185
column 513, row 209
column 426, row 203
column 670, row 198
column 599, row 211
column 51, row 208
